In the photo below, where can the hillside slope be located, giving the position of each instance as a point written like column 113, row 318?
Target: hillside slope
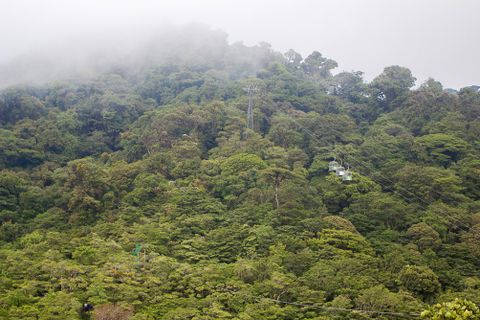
column 143, row 193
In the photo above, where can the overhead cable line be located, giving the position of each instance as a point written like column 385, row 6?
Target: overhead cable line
column 330, row 309
column 362, row 163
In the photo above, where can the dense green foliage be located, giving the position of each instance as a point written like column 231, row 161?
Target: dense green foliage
column 232, row 223
column 458, row 310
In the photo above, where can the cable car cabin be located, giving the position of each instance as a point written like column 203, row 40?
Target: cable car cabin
column 340, row 171
column 333, row 166
column 348, row 176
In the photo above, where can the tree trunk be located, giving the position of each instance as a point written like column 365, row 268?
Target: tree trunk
column 277, row 202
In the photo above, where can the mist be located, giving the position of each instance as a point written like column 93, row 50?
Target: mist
column 86, row 56
column 54, row 40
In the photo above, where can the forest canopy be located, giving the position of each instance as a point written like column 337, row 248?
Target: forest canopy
column 142, row 192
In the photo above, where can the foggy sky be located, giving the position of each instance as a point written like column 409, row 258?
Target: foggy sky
column 434, row 38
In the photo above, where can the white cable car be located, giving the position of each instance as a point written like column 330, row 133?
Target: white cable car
column 333, row 165
column 348, row 176
column 340, row 171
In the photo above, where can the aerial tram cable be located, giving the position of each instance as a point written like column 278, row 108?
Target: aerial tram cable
column 385, row 178
column 425, row 202
column 385, row 186
column 329, row 309
column 442, row 197
column 390, row 188
column 334, row 164
column 341, row 133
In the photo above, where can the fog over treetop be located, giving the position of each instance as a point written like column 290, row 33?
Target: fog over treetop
column 432, row 38
column 85, row 58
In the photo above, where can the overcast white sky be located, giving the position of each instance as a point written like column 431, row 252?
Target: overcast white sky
column 434, row 38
